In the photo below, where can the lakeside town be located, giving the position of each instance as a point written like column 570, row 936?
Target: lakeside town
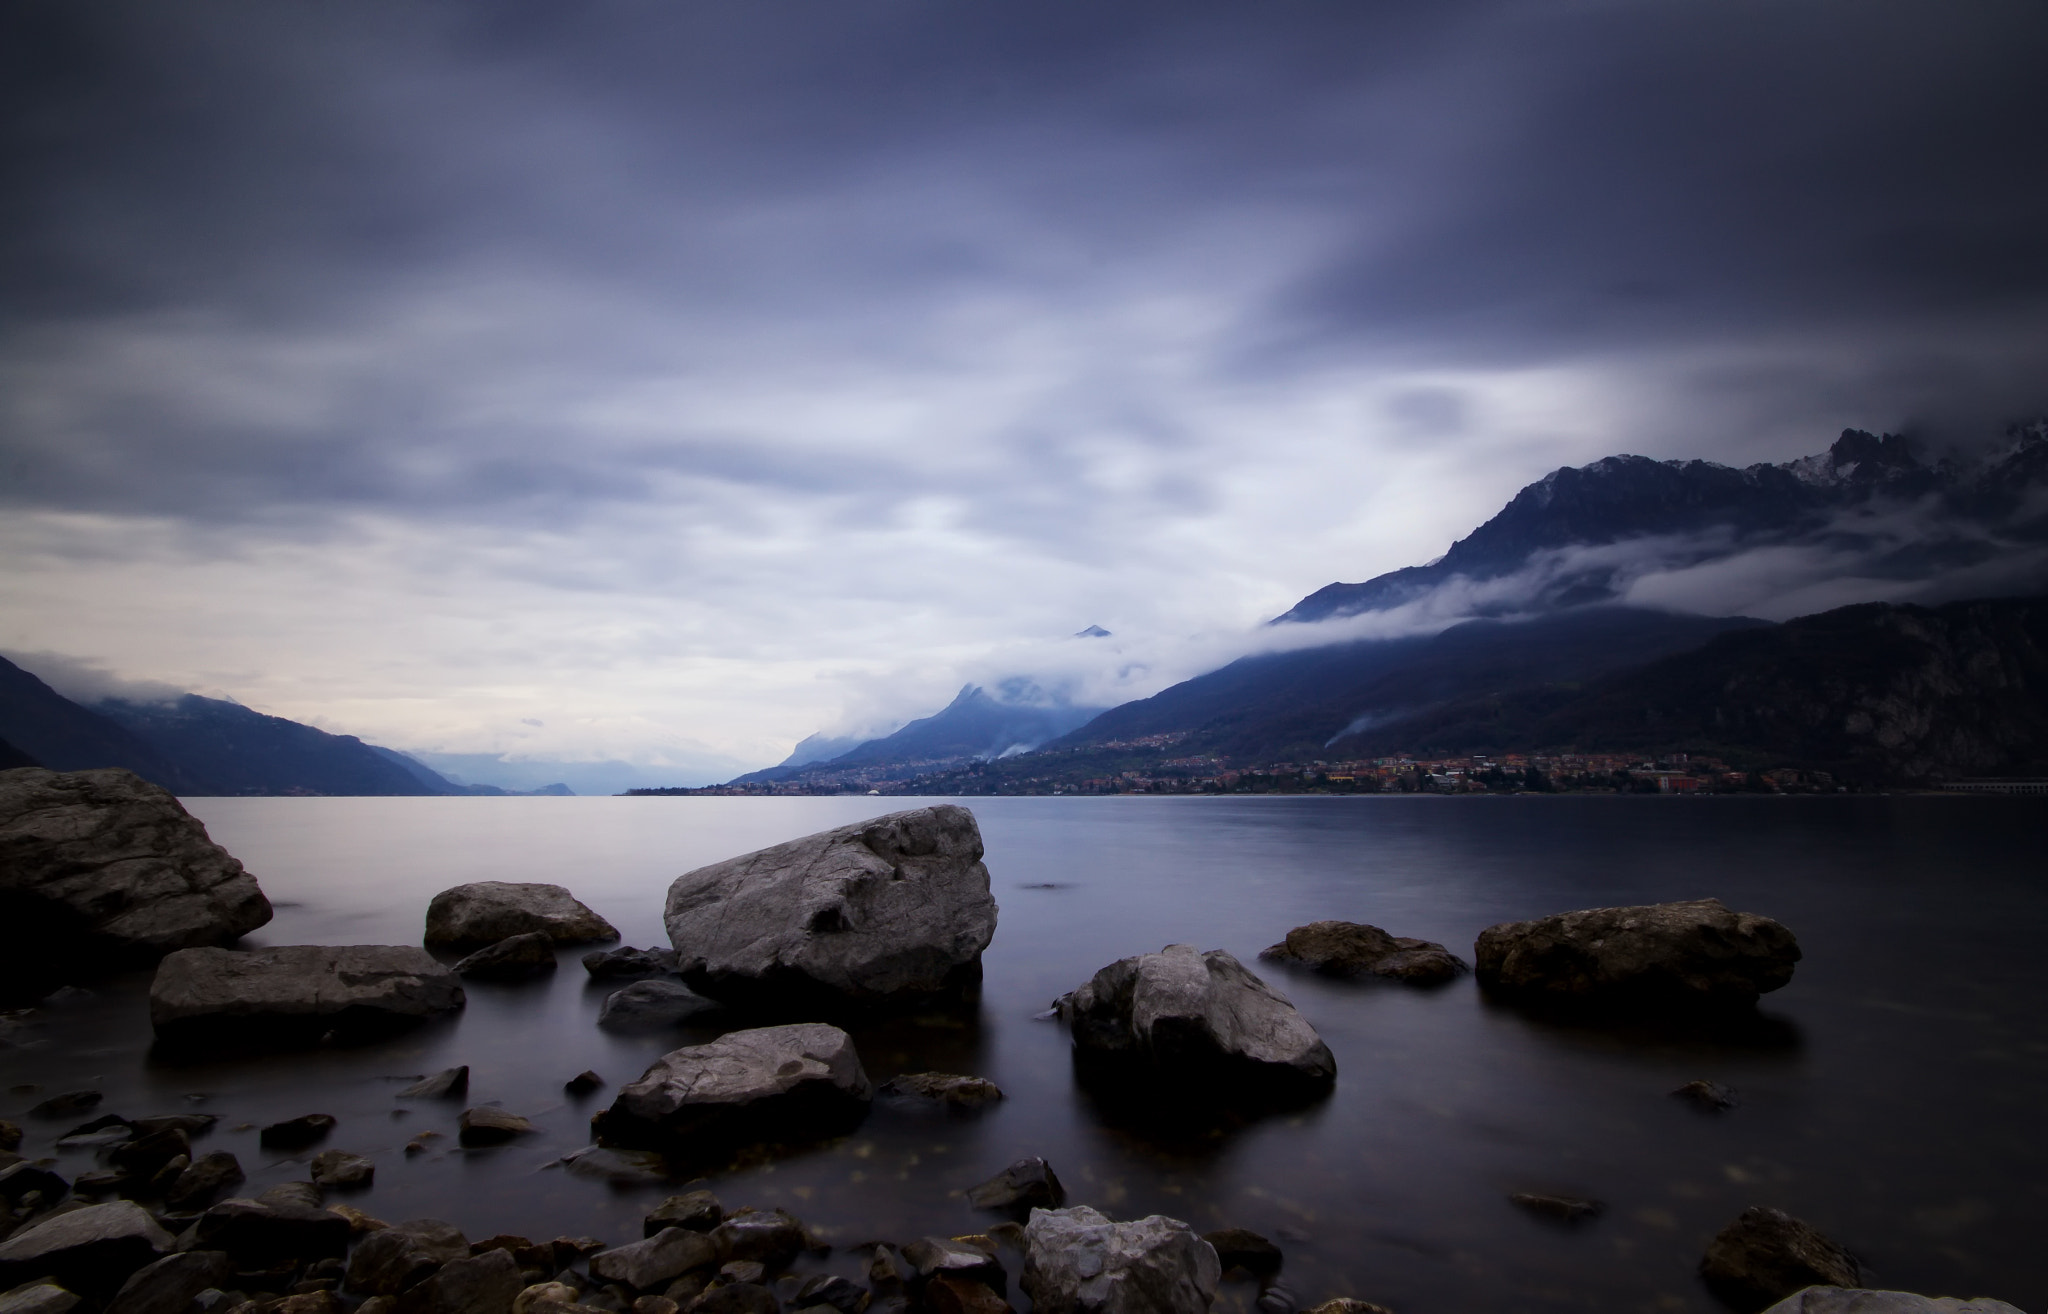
column 1061, row 774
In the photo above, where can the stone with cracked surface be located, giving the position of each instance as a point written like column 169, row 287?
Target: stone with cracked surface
column 789, row 1082
column 1693, row 953
column 1077, row 1261
column 297, row 988
column 890, row 909
column 486, row 912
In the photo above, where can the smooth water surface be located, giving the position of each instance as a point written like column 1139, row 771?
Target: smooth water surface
column 1892, row 1094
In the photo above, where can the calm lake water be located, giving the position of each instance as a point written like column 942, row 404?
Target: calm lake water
column 1893, row 1096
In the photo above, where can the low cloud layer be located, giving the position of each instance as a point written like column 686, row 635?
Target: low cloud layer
column 691, row 378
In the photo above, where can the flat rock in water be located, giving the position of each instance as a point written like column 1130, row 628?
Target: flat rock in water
column 1706, row 1096
column 1561, row 1208
column 303, row 989
column 486, row 912
column 339, row 1168
column 487, row 1124
column 885, row 910
column 296, row 1133
column 1076, row 1261
column 764, row 1236
column 90, row 1251
column 104, row 868
column 168, row 1285
column 69, row 1104
column 449, row 1083
column 1198, row 1018
column 625, row 1167
column 950, row 1089
column 785, row 1083
column 628, row 963
column 1767, row 1255
column 1840, row 1300
column 1238, row 1247
column 514, row 958
column 1696, row 953
column 1353, row 949
column 651, row 1005
column 1025, row 1185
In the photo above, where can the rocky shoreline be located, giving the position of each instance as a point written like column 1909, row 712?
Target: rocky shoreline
column 773, row 947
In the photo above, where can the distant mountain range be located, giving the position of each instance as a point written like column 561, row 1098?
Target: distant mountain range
column 203, row 746
column 1867, row 506
column 975, row 726
column 1555, row 623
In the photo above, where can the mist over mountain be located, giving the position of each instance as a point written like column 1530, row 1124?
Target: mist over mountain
column 1868, row 517
column 976, row 725
column 57, row 733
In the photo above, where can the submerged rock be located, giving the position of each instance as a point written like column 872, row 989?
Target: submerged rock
column 91, row 1251
column 68, row 1104
column 785, row 1083
column 1076, row 1261
column 447, row 1084
column 300, row 990
column 1693, row 953
column 1839, row 1300
column 1706, row 1096
column 1561, row 1208
column 1766, row 1255
column 949, row 1089
column 487, row 1124
column 1351, row 949
column 880, row 911
column 104, row 868
column 1237, row 1247
column 651, row 1005
column 1195, row 1017
column 486, row 912
column 514, row 958
column 297, row 1133
column 339, row 1168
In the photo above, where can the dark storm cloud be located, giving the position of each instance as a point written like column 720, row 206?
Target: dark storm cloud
column 669, row 188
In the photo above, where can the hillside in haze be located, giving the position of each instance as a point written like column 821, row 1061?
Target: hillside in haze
column 976, row 725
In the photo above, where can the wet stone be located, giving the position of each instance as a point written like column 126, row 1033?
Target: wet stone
column 949, row 1090
column 1237, row 1247
column 70, row 1104
column 339, row 1168
column 1025, row 1185
column 583, row 1083
column 38, row 1298
column 1765, row 1255
column 400, row 1257
column 168, row 1285
column 1558, row 1208
column 450, row 1083
column 833, row 1291
column 296, row 1133
column 771, row 1237
column 1706, row 1096
column 697, row 1210
column 736, row 1298
column 486, row 1124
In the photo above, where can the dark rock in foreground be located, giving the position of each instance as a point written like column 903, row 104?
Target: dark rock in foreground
column 786, row 1083
column 400, row 1257
column 1237, row 1247
column 486, row 912
column 1353, row 949
column 1559, row 1208
column 514, row 958
column 697, row 1210
column 1076, row 1261
column 881, row 911
column 476, row 1284
column 91, row 1251
column 1696, row 953
column 1706, row 1096
column 103, row 868
column 296, row 1133
column 1837, row 1300
column 1766, row 1255
column 1198, row 1019
column 296, row 991
column 487, row 1124
column 168, row 1285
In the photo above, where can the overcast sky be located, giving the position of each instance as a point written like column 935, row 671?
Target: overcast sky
column 667, row 381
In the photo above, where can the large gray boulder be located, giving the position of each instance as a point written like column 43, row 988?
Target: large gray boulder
column 485, row 912
column 297, row 989
column 104, row 866
column 787, row 1083
column 889, row 909
column 1076, row 1261
column 1693, row 953
column 91, row 1251
column 1200, row 1020
column 1842, row 1300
